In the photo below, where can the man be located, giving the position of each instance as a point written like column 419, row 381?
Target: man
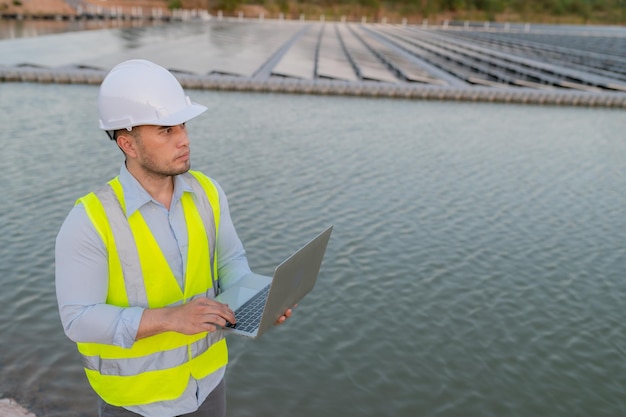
column 139, row 262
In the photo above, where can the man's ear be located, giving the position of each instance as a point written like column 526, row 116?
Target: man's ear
column 127, row 143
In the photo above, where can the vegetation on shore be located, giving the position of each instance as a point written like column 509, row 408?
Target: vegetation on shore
column 600, row 12
column 607, row 12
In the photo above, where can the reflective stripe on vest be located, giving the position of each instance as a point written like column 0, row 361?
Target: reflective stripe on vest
column 156, row 368
column 153, row 362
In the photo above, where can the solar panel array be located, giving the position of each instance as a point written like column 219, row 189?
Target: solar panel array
column 575, row 67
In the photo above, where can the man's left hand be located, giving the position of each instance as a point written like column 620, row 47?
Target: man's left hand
column 285, row 316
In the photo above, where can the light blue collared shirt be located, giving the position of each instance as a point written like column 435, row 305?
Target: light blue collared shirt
column 82, row 278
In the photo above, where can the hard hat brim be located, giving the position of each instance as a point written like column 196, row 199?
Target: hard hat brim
column 194, row 110
column 191, row 111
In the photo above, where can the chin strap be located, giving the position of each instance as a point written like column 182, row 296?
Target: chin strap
column 111, row 133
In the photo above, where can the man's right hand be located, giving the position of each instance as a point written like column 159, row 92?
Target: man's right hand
column 197, row 316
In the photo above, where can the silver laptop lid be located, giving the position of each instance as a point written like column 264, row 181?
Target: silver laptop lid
column 294, row 278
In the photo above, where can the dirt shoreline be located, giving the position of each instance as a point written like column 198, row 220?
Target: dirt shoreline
column 10, row 408
column 41, row 8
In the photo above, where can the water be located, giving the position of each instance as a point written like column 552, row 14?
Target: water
column 476, row 267
column 29, row 28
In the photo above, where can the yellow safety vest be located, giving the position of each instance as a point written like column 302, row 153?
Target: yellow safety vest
column 155, row 368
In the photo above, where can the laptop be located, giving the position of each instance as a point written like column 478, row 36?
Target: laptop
column 258, row 301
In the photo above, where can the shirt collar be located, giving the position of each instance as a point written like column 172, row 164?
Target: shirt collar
column 136, row 196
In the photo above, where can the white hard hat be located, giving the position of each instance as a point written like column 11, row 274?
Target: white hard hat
column 139, row 92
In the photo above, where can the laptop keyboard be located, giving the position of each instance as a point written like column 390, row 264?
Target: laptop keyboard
column 249, row 315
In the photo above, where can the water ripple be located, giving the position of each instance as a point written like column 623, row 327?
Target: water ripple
column 475, row 269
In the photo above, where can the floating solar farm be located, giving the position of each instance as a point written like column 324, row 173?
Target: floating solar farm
column 568, row 65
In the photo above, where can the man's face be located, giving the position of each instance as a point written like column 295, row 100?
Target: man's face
column 162, row 150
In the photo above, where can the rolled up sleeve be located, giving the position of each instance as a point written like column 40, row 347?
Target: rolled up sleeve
column 81, row 279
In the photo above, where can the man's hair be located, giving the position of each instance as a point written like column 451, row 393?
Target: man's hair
column 114, row 134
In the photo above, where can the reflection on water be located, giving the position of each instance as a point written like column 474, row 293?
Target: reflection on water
column 15, row 28
column 476, row 266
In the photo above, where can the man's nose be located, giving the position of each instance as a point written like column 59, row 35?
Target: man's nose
column 181, row 135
